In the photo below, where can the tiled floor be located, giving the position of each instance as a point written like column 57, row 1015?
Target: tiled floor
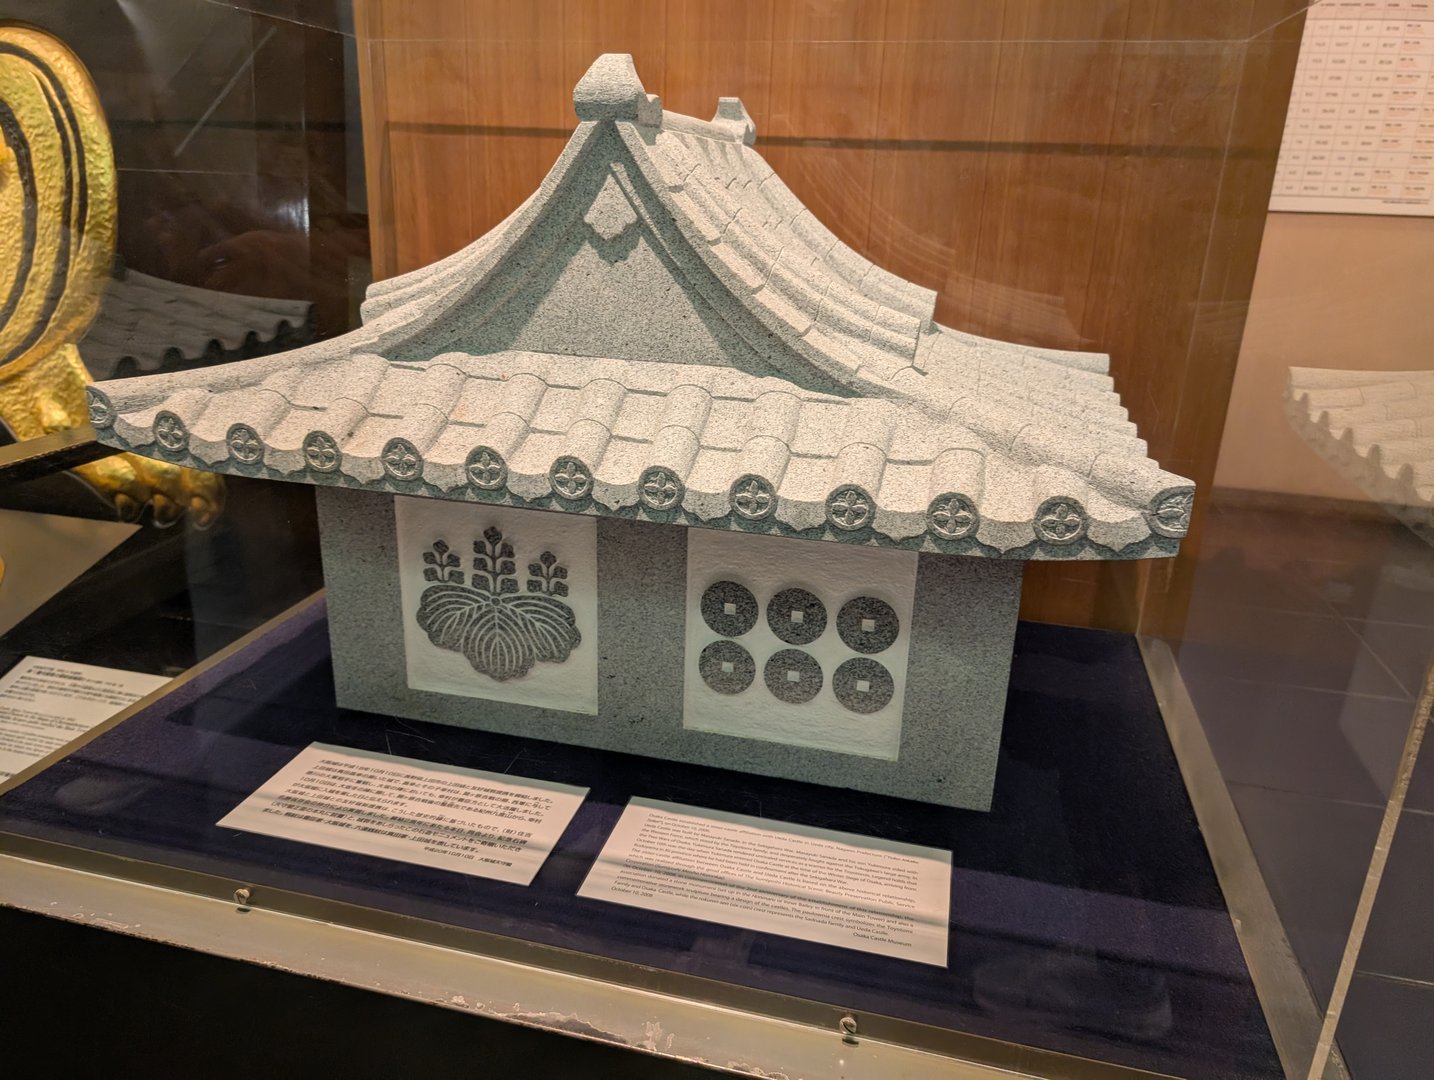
column 1308, row 638
column 1386, row 1031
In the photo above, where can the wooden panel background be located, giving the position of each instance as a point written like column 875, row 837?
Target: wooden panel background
column 1088, row 175
column 231, row 146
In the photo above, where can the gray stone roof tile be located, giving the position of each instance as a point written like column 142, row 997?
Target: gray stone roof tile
column 805, row 446
column 860, row 420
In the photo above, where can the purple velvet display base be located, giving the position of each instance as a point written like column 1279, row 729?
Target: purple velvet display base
column 1085, row 915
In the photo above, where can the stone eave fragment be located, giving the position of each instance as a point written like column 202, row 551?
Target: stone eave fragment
column 147, row 322
column 1377, row 429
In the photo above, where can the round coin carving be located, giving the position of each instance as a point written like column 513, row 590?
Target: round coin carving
column 485, row 468
column 726, row 667
column 321, row 452
column 862, row 685
column 729, row 609
column 867, row 625
column 796, row 616
column 793, row 676
column 244, row 444
column 952, row 516
column 659, row 488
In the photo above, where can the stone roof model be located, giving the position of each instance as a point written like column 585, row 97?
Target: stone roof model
column 662, row 330
column 1377, row 429
column 146, row 323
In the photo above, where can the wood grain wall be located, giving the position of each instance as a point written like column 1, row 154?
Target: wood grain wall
column 1088, row 175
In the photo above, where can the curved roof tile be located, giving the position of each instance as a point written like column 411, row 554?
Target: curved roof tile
column 881, row 427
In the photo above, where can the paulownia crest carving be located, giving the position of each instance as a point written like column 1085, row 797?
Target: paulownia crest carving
column 502, row 632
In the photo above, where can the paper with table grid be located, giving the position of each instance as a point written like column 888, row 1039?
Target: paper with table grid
column 1359, row 135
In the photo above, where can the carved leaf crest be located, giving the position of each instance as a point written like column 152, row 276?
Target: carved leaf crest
column 502, row 635
column 501, row 631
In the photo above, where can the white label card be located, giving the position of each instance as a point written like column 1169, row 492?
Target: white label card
column 465, row 820
column 879, row 896
column 45, row 704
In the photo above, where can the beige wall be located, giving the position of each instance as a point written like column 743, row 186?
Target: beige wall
column 1331, row 290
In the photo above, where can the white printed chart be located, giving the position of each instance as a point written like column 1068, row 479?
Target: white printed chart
column 1359, row 136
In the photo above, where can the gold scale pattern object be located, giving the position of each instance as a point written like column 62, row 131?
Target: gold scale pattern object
column 57, row 237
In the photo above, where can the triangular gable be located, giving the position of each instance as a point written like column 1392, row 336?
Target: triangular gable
column 657, row 237
column 596, row 270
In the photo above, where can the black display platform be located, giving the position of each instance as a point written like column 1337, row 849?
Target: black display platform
column 1085, row 914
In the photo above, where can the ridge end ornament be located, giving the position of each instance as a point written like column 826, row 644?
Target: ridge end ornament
column 485, row 469
column 245, row 445
column 321, row 452
column 1061, row 520
column 953, row 516
column 401, row 460
column 660, row 488
column 753, row 497
column 849, row 508
column 571, row 479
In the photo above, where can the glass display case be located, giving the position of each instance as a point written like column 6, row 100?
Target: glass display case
column 974, row 493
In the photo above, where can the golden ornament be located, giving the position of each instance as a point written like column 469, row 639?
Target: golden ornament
column 57, row 237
